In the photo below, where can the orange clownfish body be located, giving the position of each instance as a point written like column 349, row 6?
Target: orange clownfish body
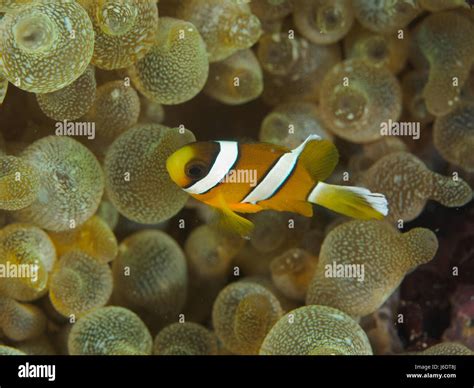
column 247, row 178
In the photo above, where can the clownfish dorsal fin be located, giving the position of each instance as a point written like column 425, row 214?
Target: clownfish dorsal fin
column 231, row 221
column 319, row 157
column 275, row 148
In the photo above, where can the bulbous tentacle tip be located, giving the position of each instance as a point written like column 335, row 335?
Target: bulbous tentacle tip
column 422, row 243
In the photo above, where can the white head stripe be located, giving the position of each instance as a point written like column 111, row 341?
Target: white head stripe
column 278, row 174
column 228, row 153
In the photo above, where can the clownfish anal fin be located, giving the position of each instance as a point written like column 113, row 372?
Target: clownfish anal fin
column 301, row 207
column 319, row 158
column 232, row 222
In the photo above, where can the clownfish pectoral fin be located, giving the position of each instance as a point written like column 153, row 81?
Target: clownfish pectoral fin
column 230, row 221
column 319, row 157
column 355, row 202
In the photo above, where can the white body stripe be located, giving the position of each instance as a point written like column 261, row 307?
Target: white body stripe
column 228, row 154
column 376, row 200
column 277, row 175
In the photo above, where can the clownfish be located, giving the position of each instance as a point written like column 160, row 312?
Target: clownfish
column 247, row 178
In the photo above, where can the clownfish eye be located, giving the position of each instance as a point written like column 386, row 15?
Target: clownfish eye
column 196, row 169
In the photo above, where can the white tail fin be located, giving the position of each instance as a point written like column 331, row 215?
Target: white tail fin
column 356, row 202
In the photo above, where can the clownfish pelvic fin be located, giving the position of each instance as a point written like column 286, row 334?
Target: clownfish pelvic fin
column 230, row 221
